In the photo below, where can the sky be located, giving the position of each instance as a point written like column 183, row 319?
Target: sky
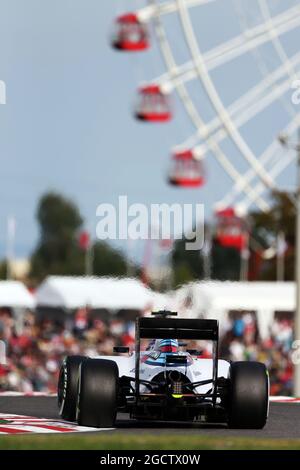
column 67, row 124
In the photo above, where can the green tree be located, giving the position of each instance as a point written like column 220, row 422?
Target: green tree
column 226, row 263
column 183, row 274
column 265, row 228
column 107, row 261
column 188, row 265
column 58, row 251
column 3, row 270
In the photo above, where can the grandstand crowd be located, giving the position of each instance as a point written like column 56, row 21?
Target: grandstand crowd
column 35, row 353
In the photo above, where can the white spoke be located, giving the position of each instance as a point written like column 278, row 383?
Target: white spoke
column 215, row 99
column 274, row 38
column 250, row 104
column 230, row 50
column 266, row 158
column 196, row 118
column 159, row 9
column 251, row 111
column 276, row 170
column 268, row 29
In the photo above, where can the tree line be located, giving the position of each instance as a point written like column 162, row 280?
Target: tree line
column 59, row 250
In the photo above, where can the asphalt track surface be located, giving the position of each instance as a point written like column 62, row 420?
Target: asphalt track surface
column 283, row 422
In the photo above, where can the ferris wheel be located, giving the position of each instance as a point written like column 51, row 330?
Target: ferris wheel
column 243, row 55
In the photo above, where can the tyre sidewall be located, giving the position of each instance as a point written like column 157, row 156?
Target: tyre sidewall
column 249, row 395
column 97, row 393
column 67, row 387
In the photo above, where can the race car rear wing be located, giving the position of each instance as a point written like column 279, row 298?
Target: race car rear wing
column 176, row 328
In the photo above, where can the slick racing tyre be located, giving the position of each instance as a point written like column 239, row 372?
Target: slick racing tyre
column 248, row 396
column 97, row 393
column 67, row 387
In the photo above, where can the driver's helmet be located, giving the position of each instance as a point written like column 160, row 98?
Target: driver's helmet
column 167, row 345
column 151, row 345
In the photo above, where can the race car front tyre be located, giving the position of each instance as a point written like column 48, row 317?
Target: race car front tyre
column 97, row 393
column 248, row 395
column 67, row 387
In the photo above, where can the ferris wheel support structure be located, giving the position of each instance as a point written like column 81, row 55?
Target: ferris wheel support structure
column 237, row 46
column 279, row 164
column 265, row 11
column 153, row 10
column 228, row 120
column 250, row 104
column 198, row 66
column 295, row 147
column 288, row 65
column 228, row 124
column 196, row 118
column 247, row 112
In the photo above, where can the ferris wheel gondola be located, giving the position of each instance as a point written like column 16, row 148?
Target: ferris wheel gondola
column 231, row 229
column 186, row 171
column 153, row 104
column 130, row 34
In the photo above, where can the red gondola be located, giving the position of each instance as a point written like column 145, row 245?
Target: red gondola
column 186, row 170
column 153, row 105
column 130, row 34
column 231, row 230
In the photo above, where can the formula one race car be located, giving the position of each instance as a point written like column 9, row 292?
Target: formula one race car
column 165, row 382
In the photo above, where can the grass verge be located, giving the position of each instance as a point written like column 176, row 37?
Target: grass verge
column 118, row 441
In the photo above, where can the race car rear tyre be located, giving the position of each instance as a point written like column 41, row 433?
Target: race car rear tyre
column 67, row 387
column 248, row 396
column 97, row 393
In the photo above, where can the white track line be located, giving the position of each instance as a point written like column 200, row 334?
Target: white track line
column 29, row 394
column 19, row 424
column 285, row 399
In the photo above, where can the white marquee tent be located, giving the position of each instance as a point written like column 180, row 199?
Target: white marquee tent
column 205, row 299
column 216, row 299
column 107, row 293
column 15, row 295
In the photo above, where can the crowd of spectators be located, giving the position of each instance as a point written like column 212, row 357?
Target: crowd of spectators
column 35, row 352
column 34, row 355
column 242, row 341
